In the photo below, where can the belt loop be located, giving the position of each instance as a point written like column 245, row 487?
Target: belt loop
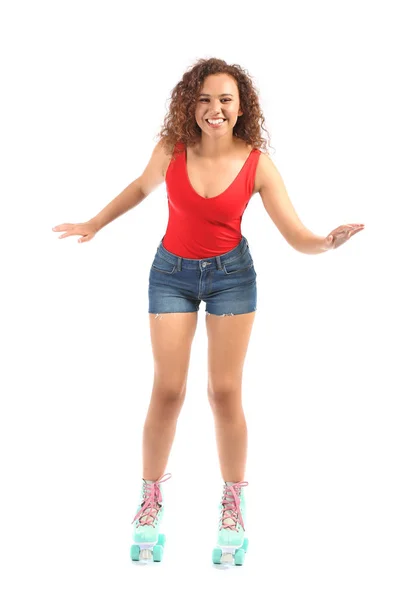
column 218, row 261
column 179, row 263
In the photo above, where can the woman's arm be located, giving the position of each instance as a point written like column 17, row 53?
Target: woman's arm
column 279, row 207
column 138, row 190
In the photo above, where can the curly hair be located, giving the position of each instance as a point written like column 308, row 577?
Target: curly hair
column 180, row 124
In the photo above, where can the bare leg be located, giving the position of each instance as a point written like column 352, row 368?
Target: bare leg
column 231, row 434
column 171, row 336
column 228, row 339
column 159, row 431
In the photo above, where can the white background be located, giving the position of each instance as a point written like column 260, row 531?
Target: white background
column 327, row 391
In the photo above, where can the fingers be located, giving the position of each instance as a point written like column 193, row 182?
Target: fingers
column 345, row 232
column 64, row 227
column 352, row 227
column 70, row 229
column 85, row 232
column 348, row 230
column 356, row 229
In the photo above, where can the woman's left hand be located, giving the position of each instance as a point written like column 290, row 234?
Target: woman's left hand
column 341, row 234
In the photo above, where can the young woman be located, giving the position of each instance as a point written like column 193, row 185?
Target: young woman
column 213, row 160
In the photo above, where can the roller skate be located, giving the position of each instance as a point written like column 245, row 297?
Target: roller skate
column 148, row 542
column 232, row 544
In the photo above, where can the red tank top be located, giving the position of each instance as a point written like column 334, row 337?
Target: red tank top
column 201, row 227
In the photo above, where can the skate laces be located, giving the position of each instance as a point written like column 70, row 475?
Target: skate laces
column 231, row 506
column 152, row 502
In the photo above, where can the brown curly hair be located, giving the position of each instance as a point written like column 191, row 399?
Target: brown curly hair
column 180, row 124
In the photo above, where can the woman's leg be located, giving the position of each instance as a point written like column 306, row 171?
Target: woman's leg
column 228, row 338
column 171, row 337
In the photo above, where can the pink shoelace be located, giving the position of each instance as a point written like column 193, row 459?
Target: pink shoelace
column 231, row 504
column 152, row 502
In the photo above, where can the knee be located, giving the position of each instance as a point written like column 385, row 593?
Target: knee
column 169, row 398
column 224, row 398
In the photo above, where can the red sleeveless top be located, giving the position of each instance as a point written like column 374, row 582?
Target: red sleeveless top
column 201, row 227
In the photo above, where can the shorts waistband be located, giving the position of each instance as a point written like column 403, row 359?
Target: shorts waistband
column 209, row 262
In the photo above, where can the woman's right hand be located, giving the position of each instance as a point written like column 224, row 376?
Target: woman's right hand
column 87, row 230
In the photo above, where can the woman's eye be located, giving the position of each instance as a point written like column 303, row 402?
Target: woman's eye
column 224, row 99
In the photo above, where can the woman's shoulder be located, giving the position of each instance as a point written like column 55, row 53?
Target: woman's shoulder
column 246, row 148
column 172, row 153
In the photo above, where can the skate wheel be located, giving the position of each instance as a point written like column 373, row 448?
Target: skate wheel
column 216, row 556
column 135, row 552
column 157, row 553
column 239, row 557
column 161, row 539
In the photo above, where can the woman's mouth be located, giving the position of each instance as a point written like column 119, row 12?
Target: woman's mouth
column 215, row 123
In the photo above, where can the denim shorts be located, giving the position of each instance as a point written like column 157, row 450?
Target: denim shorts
column 226, row 283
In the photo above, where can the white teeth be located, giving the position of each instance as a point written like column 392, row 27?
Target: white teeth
column 215, row 121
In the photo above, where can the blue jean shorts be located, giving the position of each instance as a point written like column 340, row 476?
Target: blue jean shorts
column 226, row 283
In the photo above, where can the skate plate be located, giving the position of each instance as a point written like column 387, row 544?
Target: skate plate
column 230, row 555
column 148, row 552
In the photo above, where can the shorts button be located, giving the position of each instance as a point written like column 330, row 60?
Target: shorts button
column 204, row 264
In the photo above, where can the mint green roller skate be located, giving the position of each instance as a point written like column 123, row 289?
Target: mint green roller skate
column 232, row 543
column 148, row 542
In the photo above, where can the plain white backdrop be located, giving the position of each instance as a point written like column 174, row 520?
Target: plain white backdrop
column 327, row 380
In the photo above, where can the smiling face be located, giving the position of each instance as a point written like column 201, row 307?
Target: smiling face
column 218, row 99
